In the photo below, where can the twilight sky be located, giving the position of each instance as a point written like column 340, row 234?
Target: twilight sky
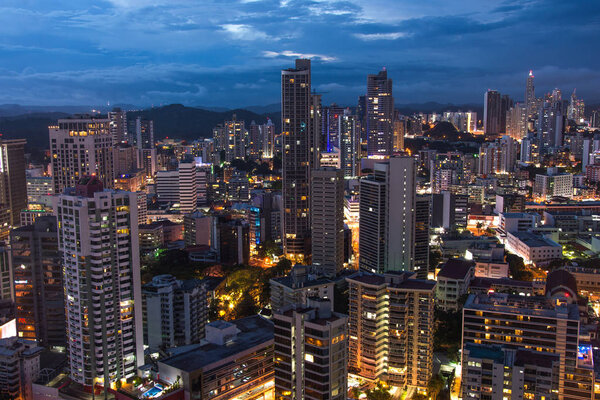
column 230, row 52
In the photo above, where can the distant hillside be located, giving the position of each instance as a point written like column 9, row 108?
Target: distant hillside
column 174, row 121
column 33, row 127
column 190, row 123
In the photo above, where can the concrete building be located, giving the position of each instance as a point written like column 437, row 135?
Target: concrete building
column 99, row 247
column 498, row 372
column 547, row 326
column 235, row 359
column 535, row 249
column 453, row 282
column 20, row 361
column 81, row 146
column 391, row 328
column 387, row 216
column 553, row 184
column 197, row 229
column 13, row 187
column 232, row 240
column 300, row 127
column 311, row 352
column 179, row 187
column 327, row 220
column 6, row 277
column 517, row 222
column 298, row 286
column 175, row 312
column 38, row 283
column 379, row 114
column 40, row 190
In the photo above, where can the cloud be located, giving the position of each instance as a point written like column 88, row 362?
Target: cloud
column 288, row 53
column 381, row 36
column 244, row 32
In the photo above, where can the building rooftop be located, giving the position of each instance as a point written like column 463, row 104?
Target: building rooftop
column 456, row 268
column 517, row 215
column 395, row 279
column 485, row 352
column 538, row 306
column 533, row 240
column 253, row 331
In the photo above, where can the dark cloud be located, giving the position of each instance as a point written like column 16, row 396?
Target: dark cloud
column 230, row 52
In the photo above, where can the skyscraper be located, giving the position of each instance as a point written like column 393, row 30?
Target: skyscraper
column 98, row 244
column 380, row 114
column 530, row 99
column 327, row 220
column 495, row 108
column 422, row 224
column 38, row 279
column 81, row 146
column 350, row 145
column 118, row 125
column 387, row 216
column 311, row 352
column 144, row 131
column 300, row 154
column 13, row 185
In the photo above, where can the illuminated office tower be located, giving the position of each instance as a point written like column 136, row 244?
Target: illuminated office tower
column 327, row 215
column 38, row 283
column 400, row 125
column 331, row 119
column 81, row 147
column 387, row 216
column 311, row 352
column 118, row 125
column 13, row 186
column 300, row 146
column 99, row 246
column 380, row 114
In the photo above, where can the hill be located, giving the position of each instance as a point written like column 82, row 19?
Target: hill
column 174, row 121
column 190, row 123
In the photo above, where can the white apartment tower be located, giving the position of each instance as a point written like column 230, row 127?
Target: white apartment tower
column 98, row 244
column 81, row 147
column 387, row 216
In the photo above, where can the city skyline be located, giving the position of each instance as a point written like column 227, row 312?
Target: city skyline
column 446, row 52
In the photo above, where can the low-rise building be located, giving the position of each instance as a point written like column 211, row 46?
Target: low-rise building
column 453, row 281
column 533, row 248
column 235, row 359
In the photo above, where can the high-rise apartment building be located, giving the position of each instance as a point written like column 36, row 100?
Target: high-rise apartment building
column 261, row 140
column 390, row 328
column 118, row 125
column 421, row 238
column 350, row 145
column 13, row 187
column 516, row 121
column 98, row 243
column 174, row 312
column 387, row 216
column 81, row 147
column 300, row 147
column 311, row 352
column 179, row 186
column 6, row 279
column 327, row 220
column 379, row 114
column 550, row 126
column 495, row 108
column 147, row 159
column 553, row 184
column 38, row 283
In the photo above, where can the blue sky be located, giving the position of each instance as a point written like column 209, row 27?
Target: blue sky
column 230, row 52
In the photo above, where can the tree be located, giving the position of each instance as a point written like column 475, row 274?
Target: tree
column 379, row 393
column 517, row 268
column 246, row 307
column 435, row 386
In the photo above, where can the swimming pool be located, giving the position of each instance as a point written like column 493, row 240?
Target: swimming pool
column 152, row 393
